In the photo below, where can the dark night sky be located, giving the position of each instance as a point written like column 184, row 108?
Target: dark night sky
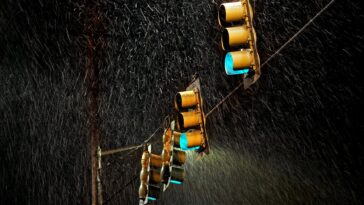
column 293, row 138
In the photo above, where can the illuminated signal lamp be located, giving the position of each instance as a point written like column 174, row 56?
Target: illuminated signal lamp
column 190, row 120
column 239, row 39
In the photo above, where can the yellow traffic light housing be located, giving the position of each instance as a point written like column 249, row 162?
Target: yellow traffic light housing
column 150, row 176
column 239, row 39
column 233, row 12
column 186, row 99
column 240, row 59
column 236, row 36
column 190, row 119
column 177, row 175
column 143, row 188
column 187, row 120
column 189, row 140
column 173, row 159
column 155, row 161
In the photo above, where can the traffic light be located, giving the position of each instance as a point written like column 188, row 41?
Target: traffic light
column 239, row 39
column 187, row 132
column 173, row 160
column 178, row 159
column 190, row 120
column 150, row 176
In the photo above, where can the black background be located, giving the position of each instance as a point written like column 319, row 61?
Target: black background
column 293, row 138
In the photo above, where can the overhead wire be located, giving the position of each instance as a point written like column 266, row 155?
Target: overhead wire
column 274, row 54
column 137, row 147
column 108, row 152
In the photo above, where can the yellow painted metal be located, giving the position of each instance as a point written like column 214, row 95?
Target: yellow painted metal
column 154, row 177
column 194, row 138
column 178, row 174
column 243, row 58
column 242, row 12
column 166, row 156
column 235, row 36
column 189, row 119
column 232, row 11
column 186, row 99
column 155, row 161
column 143, row 175
column 167, row 136
column 142, row 191
column 145, row 160
column 179, row 157
column 167, row 146
column 252, row 43
column 176, row 138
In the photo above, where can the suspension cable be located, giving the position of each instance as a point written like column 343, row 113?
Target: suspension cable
column 136, row 147
column 109, row 152
column 274, row 54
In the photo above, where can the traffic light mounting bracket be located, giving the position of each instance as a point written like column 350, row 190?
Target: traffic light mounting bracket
column 252, row 43
column 195, row 85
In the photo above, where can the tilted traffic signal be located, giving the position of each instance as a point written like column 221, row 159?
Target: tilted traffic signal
column 173, row 160
column 239, row 39
column 190, row 121
column 187, row 132
column 150, row 176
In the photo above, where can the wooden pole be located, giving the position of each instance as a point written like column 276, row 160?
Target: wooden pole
column 93, row 63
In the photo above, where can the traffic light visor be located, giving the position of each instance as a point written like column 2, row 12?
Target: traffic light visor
column 154, row 177
column 186, row 99
column 230, row 12
column 155, row 161
column 153, row 193
column 142, row 191
column 177, row 175
column 188, row 119
column 238, row 62
column 178, row 157
column 190, row 140
column 236, row 36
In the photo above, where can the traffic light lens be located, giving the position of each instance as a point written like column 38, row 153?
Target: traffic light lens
column 229, row 66
column 184, row 143
column 176, row 182
column 153, row 192
column 151, row 198
column 229, row 62
column 177, row 174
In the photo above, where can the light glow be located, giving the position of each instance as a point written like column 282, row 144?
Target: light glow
column 151, row 198
column 184, row 143
column 229, row 66
column 176, row 182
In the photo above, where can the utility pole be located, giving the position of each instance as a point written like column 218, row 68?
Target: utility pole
column 92, row 101
column 93, row 31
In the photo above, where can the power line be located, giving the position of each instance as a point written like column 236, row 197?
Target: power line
column 274, row 55
column 237, row 87
column 136, row 147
